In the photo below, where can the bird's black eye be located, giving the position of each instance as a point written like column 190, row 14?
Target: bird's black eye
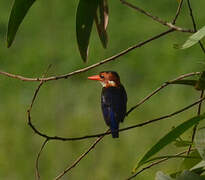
column 101, row 76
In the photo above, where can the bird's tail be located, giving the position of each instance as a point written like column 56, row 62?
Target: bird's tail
column 114, row 126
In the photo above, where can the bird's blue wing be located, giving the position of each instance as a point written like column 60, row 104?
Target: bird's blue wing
column 113, row 101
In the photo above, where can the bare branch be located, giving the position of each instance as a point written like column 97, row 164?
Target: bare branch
column 168, row 24
column 161, row 87
column 80, row 157
column 65, row 76
column 178, row 12
column 37, row 159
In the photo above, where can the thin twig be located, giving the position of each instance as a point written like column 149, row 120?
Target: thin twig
column 178, row 12
column 168, row 24
column 37, row 159
column 153, row 164
column 195, row 127
column 80, row 157
column 65, row 76
column 161, row 87
column 194, row 23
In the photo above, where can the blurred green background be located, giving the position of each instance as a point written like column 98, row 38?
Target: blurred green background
column 71, row 107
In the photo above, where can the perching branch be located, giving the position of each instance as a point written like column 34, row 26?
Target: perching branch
column 123, row 129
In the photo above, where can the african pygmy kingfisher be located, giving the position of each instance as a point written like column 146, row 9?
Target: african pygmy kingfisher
column 113, row 100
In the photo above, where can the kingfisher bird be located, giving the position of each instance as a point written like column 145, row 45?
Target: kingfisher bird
column 113, row 99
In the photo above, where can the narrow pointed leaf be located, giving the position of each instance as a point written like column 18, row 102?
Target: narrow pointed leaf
column 185, row 82
column 201, row 164
column 86, row 12
column 200, row 142
column 102, row 22
column 172, row 156
column 168, row 138
column 193, row 39
column 18, row 12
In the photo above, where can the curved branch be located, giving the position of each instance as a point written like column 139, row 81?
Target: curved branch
column 65, row 76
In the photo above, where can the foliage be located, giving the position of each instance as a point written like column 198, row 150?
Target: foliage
column 70, row 108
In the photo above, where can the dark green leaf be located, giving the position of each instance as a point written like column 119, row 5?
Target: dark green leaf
column 193, row 39
column 200, row 142
column 184, row 82
column 168, row 138
column 18, row 12
column 102, row 22
column 86, row 13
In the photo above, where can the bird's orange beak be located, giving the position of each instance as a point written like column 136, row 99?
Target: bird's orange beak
column 95, row 77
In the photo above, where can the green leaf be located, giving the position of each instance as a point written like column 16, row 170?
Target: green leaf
column 86, row 12
column 173, row 156
column 102, row 22
column 201, row 164
column 193, row 39
column 184, row 82
column 161, row 176
column 188, row 175
column 18, row 12
column 200, row 142
column 168, row 138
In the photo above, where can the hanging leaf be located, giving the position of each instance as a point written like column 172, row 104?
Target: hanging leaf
column 168, row 138
column 18, row 12
column 102, row 22
column 86, row 12
column 200, row 142
column 193, row 39
column 161, row 176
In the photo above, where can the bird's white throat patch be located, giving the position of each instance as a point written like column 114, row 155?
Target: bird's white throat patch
column 111, row 83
